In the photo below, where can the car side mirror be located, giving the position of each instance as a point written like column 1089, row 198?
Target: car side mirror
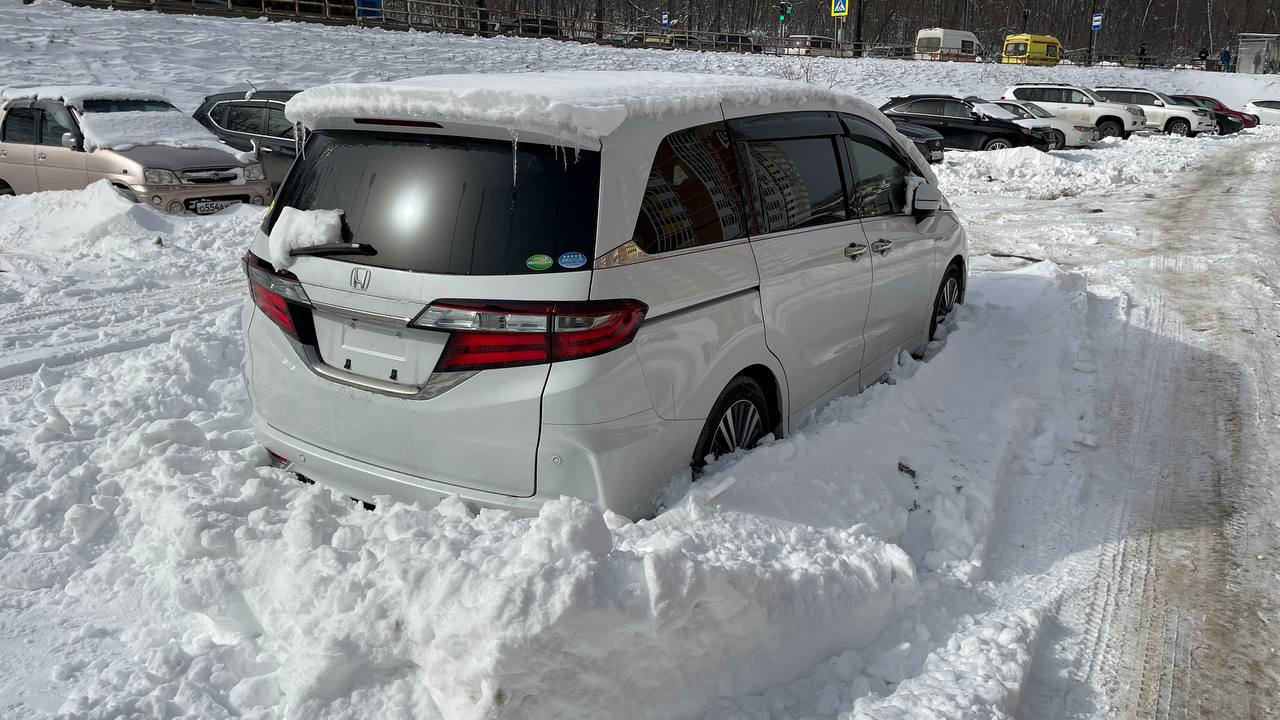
column 1158, row 103
column 1088, row 101
column 925, row 201
column 70, row 141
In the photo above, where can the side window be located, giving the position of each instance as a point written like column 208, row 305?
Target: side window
column 20, row 126
column 1028, row 93
column 796, row 183
column 54, row 121
column 925, row 107
column 955, row 109
column 1073, row 96
column 219, row 114
column 879, row 184
column 1141, row 98
column 245, row 119
column 966, row 47
column 1051, row 50
column 278, row 125
column 693, row 196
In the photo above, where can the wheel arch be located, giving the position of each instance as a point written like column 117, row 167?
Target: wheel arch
column 1109, row 118
column 768, row 382
column 1175, row 118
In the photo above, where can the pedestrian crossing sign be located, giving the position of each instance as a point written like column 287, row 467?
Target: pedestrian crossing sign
column 839, row 8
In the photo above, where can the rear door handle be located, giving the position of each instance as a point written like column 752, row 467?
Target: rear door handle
column 855, row 251
column 882, row 246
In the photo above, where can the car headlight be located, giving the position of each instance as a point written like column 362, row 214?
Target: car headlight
column 160, row 176
column 254, row 171
column 1083, row 128
column 1201, row 112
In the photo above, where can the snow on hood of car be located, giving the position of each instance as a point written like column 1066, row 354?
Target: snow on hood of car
column 991, row 110
column 585, row 105
column 125, row 130
column 76, row 95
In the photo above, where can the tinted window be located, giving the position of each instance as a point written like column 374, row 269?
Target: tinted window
column 1141, row 98
column 55, row 121
column 928, row 44
column 1028, row 94
column 245, row 119
column 693, row 196
column 796, row 183
column 450, row 205
column 955, row 109
column 879, row 185
column 925, row 107
column 97, row 106
column 20, row 126
column 278, row 125
column 1051, row 50
column 966, row 46
column 219, row 114
column 1072, row 96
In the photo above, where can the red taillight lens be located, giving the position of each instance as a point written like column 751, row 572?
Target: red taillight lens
column 509, row 334
column 273, row 290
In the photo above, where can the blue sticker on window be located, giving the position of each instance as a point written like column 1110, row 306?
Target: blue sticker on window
column 573, row 260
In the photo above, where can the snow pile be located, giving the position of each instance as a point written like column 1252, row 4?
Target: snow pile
column 296, row 228
column 124, row 130
column 563, row 105
column 76, row 95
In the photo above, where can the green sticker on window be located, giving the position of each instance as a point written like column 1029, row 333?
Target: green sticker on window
column 539, row 262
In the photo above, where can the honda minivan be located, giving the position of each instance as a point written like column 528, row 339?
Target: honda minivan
column 569, row 284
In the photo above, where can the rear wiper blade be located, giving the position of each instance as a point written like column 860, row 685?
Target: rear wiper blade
column 335, row 249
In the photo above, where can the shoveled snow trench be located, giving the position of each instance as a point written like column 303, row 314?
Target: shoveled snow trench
column 1066, row 510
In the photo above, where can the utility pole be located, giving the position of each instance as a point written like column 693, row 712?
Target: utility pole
column 857, row 24
column 1092, row 11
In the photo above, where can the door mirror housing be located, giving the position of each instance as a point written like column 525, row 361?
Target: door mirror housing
column 1158, row 103
column 70, row 141
column 925, row 201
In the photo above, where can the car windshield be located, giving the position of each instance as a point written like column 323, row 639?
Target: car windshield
column 1036, row 110
column 994, row 111
column 450, row 205
column 107, row 106
column 1016, row 110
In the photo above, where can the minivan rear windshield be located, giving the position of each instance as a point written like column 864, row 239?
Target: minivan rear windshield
column 458, row 206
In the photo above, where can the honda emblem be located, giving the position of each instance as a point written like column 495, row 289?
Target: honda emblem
column 360, row 278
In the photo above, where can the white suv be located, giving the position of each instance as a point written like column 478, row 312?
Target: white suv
column 1112, row 119
column 517, row 287
column 1163, row 112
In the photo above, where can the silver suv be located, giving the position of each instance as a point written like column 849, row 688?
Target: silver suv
column 636, row 285
column 1082, row 104
column 64, row 138
column 1162, row 112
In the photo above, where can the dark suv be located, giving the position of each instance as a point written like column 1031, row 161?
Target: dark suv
column 253, row 122
column 965, row 123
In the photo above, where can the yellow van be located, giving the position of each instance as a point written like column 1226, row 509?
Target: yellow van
column 1027, row 49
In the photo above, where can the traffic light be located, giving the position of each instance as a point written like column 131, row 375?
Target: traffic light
column 784, row 11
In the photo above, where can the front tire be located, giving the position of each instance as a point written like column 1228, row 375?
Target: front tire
column 739, row 419
column 1110, row 128
column 997, row 144
column 1059, row 140
column 945, row 301
column 1178, row 126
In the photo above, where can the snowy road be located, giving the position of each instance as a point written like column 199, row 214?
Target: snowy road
column 1069, row 510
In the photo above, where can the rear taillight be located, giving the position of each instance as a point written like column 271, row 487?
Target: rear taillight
column 484, row 335
column 273, row 291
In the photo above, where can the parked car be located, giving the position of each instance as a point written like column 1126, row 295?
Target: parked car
column 1215, row 105
column 710, row 270
column 1066, row 133
column 1077, row 103
column 966, row 124
column 1224, row 123
column 928, row 142
column 813, row 45
column 531, row 25
column 669, row 39
column 626, row 38
column 1026, row 49
column 947, row 44
column 253, row 122
column 1162, row 112
column 64, row 138
column 1267, row 111
column 733, row 42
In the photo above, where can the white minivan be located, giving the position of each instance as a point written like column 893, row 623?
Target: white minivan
column 581, row 283
column 947, row 44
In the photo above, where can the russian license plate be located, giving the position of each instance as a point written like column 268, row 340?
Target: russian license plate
column 205, row 207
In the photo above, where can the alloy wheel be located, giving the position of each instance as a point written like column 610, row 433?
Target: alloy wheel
column 947, row 297
column 739, row 428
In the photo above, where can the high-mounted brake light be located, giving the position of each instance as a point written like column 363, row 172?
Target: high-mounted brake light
column 484, row 335
column 273, row 291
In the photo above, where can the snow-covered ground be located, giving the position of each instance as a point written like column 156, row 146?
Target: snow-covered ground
column 1066, row 510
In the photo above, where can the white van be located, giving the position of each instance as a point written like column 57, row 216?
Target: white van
column 516, row 287
column 947, row 44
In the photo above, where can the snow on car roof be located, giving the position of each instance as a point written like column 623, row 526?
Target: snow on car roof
column 570, row 106
column 76, row 95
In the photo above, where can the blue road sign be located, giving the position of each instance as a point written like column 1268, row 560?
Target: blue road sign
column 666, row 20
column 839, row 8
column 1097, row 21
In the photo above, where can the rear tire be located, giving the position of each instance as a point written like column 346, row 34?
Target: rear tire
column 739, row 419
column 997, row 144
column 1110, row 128
column 1059, row 140
column 1178, row 126
column 5, row 189
column 945, row 301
